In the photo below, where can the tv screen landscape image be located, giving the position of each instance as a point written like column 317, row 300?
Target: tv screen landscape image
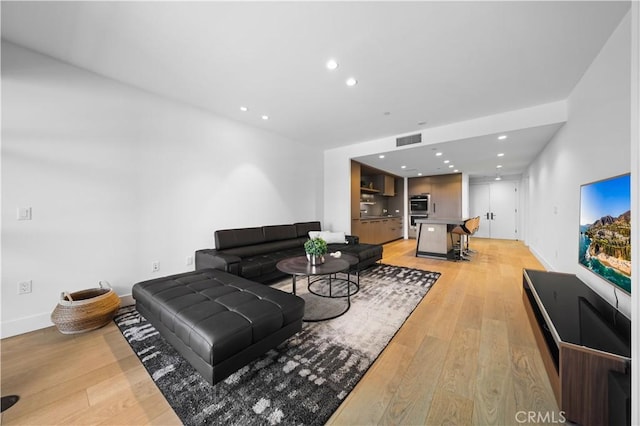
column 605, row 230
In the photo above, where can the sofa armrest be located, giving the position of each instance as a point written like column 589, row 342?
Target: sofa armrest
column 212, row 258
column 352, row 239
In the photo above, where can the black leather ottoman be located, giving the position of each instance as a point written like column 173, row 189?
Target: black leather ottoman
column 218, row 321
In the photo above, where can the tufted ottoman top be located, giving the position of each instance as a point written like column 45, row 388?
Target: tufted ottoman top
column 215, row 313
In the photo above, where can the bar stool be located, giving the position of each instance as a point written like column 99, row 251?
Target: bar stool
column 473, row 227
column 463, row 231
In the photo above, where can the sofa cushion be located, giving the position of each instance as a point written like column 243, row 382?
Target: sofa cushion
column 229, row 238
column 255, row 266
column 264, row 248
column 279, row 232
column 303, row 228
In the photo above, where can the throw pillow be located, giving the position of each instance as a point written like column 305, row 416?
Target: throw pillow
column 329, row 237
column 333, row 237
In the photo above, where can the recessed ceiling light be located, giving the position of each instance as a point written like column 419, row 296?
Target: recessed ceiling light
column 498, row 178
column 244, row 109
column 501, row 154
column 499, row 166
column 502, row 137
column 351, row 81
column 451, row 166
column 332, row 64
column 438, row 154
column 446, row 161
column 265, row 117
column 380, row 156
column 403, row 167
column 456, row 171
column 419, row 174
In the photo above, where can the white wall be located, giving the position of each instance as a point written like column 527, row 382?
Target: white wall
column 592, row 145
column 118, row 178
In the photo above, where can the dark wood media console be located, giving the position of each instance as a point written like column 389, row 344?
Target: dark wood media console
column 581, row 338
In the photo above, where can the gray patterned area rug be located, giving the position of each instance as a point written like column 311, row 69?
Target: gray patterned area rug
column 302, row 381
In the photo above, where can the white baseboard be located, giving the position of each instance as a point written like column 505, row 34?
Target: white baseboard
column 25, row 325
column 40, row 321
column 127, row 300
column 541, row 259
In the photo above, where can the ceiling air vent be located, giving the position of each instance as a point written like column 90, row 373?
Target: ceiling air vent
column 409, row 140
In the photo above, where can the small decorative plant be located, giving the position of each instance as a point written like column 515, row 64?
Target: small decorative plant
column 316, row 247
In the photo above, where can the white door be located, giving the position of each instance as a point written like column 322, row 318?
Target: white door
column 497, row 205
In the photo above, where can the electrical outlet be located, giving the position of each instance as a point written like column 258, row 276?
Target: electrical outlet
column 189, row 260
column 155, row 266
column 24, row 287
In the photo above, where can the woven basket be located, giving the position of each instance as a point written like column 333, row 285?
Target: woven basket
column 85, row 310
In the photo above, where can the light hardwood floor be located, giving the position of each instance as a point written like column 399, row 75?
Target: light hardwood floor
column 465, row 356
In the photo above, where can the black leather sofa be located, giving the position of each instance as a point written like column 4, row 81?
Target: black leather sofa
column 217, row 321
column 253, row 253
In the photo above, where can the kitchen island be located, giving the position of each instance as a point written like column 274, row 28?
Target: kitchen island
column 434, row 236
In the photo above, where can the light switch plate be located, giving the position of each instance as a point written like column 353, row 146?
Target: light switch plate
column 24, row 213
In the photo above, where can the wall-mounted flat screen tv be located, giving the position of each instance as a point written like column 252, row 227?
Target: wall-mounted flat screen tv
column 605, row 230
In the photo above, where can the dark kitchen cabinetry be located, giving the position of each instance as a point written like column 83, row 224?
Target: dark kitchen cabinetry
column 377, row 204
column 446, row 196
column 388, row 186
column 419, row 185
column 396, row 230
column 445, row 190
column 377, row 230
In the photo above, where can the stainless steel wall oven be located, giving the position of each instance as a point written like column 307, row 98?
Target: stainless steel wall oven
column 417, row 216
column 419, row 204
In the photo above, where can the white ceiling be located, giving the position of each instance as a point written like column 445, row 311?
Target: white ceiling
column 439, row 62
column 476, row 156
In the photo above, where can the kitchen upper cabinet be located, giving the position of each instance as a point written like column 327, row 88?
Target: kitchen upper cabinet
column 389, row 186
column 419, row 185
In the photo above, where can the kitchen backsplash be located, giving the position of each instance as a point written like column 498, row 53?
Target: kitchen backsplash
column 374, row 205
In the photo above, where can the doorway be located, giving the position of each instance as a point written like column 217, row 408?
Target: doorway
column 497, row 205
